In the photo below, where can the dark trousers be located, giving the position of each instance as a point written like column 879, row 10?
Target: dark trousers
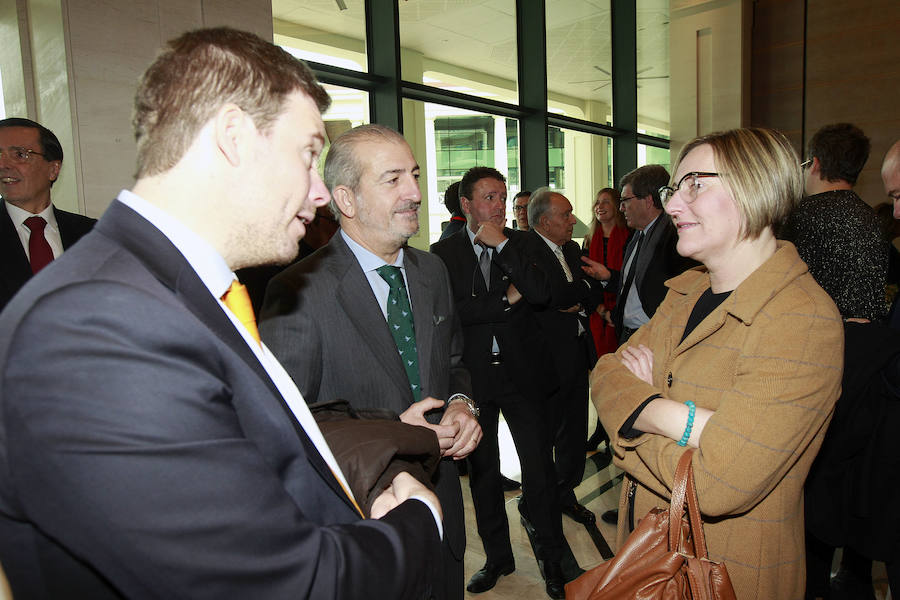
column 452, row 583
column 527, row 420
column 569, row 418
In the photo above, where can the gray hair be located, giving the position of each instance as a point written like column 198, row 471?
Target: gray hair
column 342, row 163
column 539, row 204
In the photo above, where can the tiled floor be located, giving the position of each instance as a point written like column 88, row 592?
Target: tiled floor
column 599, row 492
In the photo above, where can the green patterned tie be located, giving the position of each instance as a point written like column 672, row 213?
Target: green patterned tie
column 400, row 322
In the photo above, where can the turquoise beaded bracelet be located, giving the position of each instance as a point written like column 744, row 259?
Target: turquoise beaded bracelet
column 692, row 410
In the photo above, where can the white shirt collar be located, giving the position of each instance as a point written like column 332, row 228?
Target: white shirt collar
column 203, row 258
column 553, row 245
column 18, row 215
column 368, row 260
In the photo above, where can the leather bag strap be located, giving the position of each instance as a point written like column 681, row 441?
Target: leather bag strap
column 676, row 506
column 697, row 535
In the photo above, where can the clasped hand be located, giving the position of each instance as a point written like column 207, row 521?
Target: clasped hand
column 458, row 432
column 401, row 489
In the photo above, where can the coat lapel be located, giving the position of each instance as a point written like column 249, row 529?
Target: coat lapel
column 744, row 303
column 15, row 262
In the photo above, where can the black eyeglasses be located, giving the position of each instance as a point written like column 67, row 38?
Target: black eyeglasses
column 693, row 186
column 19, row 155
column 626, row 198
column 805, row 163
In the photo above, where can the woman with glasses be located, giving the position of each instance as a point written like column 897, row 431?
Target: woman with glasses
column 741, row 360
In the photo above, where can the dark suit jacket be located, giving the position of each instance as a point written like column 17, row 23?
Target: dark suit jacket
column 145, row 452
column 322, row 321
column 15, row 269
column 657, row 262
column 561, row 328
column 485, row 315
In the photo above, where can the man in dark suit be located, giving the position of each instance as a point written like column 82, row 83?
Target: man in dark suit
column 657, row 260
column 564, row 321
column 153, row 448
column 506, row 354
column 32, row 231
column 650, row 254
column 339, row 321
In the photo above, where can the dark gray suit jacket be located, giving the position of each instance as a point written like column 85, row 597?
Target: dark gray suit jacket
column 15, row 269
column 145, row 453
column 657, row 262
column 322, row 321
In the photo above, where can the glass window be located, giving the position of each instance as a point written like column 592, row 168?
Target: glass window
column 580, row 164
column 453, row 141
column 579, row 60
column 323, row 32
column 653, row 67
column 467, row 47
column 349, row 108
column 651, row 155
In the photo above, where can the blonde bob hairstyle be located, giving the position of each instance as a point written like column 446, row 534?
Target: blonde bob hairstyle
column 762, row 171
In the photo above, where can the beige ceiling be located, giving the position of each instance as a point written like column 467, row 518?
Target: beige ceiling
column 481, row 35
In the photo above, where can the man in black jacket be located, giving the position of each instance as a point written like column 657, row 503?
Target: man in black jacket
column 495, row 284
column 564, row 321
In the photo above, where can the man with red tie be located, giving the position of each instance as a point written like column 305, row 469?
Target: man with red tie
column 32, row 231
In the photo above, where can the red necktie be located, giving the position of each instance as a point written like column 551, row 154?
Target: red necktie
column 38, row 249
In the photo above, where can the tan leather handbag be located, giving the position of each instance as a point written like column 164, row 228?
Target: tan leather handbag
column 664, row 558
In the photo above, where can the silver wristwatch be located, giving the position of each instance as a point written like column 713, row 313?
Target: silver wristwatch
column 476, row 412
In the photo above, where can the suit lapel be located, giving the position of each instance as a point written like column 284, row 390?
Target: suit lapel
column 572, row 254
column 168, row 265
column 15, row 262
column 358, row 303
column 423, row 307
column 648, row 248
column 70, row 229
column 549, row 255
column 468, row 263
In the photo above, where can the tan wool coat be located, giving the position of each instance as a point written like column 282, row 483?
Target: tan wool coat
column 768, row 361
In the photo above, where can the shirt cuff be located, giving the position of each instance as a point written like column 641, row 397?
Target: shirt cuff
column 434, row 513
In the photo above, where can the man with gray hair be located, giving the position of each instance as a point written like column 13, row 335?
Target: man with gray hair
column 564, row 322
column 370, row 320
